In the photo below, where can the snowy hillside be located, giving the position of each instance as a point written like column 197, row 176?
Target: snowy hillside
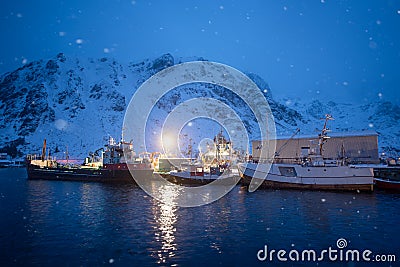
column 79, row 103
column 380, row 116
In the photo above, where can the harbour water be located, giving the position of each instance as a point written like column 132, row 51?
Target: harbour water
column 53, row 223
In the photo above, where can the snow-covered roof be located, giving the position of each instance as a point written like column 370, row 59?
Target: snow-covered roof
column 331, row 134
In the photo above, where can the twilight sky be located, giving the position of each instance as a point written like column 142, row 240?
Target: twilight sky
column 340, row 50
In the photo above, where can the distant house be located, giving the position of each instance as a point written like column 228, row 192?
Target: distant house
column 356, row 147
column 5, row 160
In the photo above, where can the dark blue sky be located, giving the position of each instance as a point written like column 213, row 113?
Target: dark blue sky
column 347, row 50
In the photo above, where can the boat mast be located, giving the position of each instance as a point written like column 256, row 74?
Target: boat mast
column 44, row 150
column 122, row 134
column 66, row 153
column 323, row 136
column 190, row 148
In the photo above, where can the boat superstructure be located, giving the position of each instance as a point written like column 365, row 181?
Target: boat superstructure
column 216, row 162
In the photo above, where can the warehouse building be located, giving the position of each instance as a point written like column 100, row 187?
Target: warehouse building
column 355, row 147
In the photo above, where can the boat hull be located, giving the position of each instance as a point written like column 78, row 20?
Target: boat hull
column 85, row 175
column 182, row 178
column 387, row 178
column 341, row 178
column 387, row 184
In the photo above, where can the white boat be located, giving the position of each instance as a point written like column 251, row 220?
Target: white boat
column 311, row 171
column 308, row 177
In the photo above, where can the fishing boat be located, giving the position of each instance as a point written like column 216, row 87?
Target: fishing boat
column 195, row 174
column 114, row 166
column 214, row 164
column 310, row 171
column 387, row 177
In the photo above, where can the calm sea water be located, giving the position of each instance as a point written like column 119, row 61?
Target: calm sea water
column 50, row 223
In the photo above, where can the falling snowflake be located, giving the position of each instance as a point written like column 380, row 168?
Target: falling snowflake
column 372, row 44
column 79, row 41
column 111, row 261
column 19, row 15
column 106, row 50
column 323, row 199
column 371, row 125
column 61, row 34
column 24, row 61
column 221, row 7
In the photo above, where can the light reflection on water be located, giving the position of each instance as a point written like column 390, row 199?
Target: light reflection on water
column 73, row 223
column 165, row 228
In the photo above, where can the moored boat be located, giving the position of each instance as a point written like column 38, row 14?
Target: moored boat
column 296, row 176
column 310, row 171
column 213, row 164
column 387, row 177
column 194, row 174
column 118, row 163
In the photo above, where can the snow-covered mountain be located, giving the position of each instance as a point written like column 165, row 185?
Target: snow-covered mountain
column 380, row 116
column 78, row 103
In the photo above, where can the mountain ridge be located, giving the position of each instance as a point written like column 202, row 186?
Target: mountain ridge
column 79, row 102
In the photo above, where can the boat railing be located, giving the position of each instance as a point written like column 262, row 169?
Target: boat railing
column 305, row 161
